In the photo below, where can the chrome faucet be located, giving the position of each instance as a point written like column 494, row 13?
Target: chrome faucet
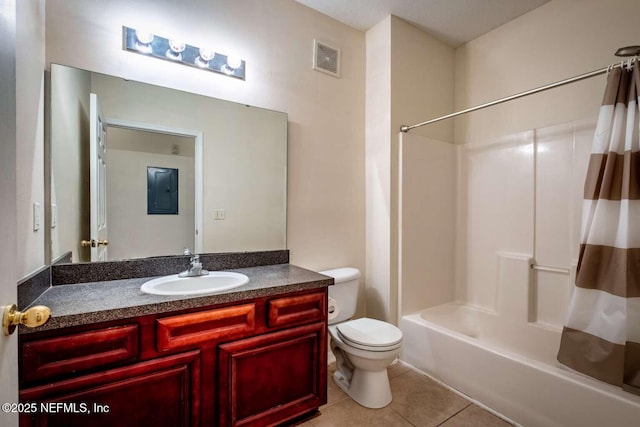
column 195, row 269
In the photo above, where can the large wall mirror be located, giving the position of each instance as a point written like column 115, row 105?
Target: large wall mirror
column 139, row 170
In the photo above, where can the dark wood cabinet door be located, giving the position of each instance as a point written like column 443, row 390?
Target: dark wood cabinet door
column 160, row 392
column 271, row 378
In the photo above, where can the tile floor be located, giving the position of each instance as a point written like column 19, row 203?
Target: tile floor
column 417, row 401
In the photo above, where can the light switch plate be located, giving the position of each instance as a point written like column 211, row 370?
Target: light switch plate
column 218, row 214
column 54, row 215
column 36, row 216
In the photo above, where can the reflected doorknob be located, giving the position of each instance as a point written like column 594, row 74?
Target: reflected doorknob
column 33, row 317
column 94, row 243
column 88, row 243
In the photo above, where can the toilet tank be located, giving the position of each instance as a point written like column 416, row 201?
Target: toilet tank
column 344, row 292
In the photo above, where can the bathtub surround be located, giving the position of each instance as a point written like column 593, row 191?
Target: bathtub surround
column 515, row 201
column 601, row 337
column 518, row 193
column 502, row 364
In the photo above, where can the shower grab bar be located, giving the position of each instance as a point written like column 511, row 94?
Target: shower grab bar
column 550, row 269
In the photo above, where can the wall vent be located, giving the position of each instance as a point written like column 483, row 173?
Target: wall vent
column 326, row 58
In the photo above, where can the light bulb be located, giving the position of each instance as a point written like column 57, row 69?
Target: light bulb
column 234, row 62
column 206, row 55
column 144, row 37
column 175, row 49
column 143, row 41
column 176, row 45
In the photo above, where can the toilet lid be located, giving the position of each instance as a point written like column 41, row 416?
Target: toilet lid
column 370, row 332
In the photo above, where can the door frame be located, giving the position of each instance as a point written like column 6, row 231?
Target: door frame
column 8, row 208
column 97, row 179
column 198, row 137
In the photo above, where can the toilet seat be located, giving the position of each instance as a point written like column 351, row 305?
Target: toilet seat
column 370, row 334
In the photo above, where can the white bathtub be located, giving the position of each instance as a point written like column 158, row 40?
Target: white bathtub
column 511, row 368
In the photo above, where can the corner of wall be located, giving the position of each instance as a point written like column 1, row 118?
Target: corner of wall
column 377, row 170
column 409, row 79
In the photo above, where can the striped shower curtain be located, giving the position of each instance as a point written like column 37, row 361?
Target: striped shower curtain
column 601, row 337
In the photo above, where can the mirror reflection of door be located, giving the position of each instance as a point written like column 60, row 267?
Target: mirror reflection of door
column 98, row 180
column 133, row 231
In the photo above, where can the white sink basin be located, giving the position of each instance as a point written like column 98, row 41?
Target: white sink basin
column 215, row 281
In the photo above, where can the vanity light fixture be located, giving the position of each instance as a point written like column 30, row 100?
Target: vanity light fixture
column 176, row 47
column 143, row 41
column 174, row 50
column 205, row 55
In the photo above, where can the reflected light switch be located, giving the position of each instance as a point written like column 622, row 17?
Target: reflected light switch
column 218, row 214
column 54, row 215
column 36, row 216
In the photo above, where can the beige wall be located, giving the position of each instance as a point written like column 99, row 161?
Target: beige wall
column 378, row 171
column 409, row 77
column 69, row 133
column 30, row 136
column 426, row 222
column 132, row 232
column 326, row 115
column 560, row 39
column 421, row 81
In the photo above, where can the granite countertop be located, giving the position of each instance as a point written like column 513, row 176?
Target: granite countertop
column 86, row 303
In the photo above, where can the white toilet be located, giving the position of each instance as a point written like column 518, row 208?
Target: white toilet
column 363, row 347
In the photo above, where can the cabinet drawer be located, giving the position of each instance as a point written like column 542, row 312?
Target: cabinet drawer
column 196, row 328
column 80, row 352
column 297, row 309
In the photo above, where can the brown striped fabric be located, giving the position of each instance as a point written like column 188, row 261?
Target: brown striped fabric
column 617, row 87
column 600, row 358
column 607, row 277
column 609, row 176
column 632, row 367
column 613, row 270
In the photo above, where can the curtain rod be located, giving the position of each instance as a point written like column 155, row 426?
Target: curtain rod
column 406, row 128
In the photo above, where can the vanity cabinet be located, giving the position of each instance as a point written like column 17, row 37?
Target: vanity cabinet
column 256, row 362
column 263, row 379
column 159, row 392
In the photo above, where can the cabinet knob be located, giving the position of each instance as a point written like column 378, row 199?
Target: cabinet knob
column 32, row 318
